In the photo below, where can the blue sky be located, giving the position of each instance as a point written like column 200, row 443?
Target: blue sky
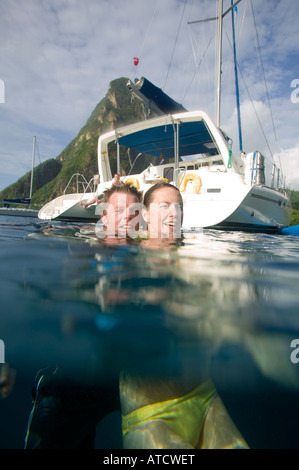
column 57, row 58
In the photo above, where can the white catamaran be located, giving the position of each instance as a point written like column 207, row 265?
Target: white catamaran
column 220, row 190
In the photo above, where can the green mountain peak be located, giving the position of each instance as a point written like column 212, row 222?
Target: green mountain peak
column 116, row 109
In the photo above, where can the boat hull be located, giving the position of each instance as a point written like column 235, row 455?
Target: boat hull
column 16, row 212
column 262, row 210
column 68, row 208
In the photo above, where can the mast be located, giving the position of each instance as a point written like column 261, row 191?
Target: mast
column 220, row 17
column 237, row 81
column 33, row 158
column 219, row 63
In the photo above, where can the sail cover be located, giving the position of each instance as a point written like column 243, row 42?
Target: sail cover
column 149, row 93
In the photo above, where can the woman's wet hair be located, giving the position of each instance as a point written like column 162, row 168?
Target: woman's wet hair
column 149, row 195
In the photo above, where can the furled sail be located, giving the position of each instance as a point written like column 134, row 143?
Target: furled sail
column 154, row 97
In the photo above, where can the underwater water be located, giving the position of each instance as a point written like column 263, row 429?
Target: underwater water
column 217, row 304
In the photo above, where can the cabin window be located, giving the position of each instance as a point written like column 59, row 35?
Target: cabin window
column 168, row 173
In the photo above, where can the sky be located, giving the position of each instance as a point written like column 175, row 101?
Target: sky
column 57, row 58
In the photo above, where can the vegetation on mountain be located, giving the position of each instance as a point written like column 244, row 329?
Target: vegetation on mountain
column 295, row 207
column 116, row 109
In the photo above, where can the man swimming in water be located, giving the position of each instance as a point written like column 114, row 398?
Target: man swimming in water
column 67, row 409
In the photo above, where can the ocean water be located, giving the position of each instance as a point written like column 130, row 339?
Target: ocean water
column 222, row 304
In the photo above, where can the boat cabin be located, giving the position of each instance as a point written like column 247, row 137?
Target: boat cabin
column 165, row 147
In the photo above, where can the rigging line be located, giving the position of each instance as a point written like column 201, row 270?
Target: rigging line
column 262, row 67
column 148, row 28
column 175, row 45
column 204, row 35
column 265, row 82
column 197, row 69
column 193, row 48
column 242, row 22
column 242, row 76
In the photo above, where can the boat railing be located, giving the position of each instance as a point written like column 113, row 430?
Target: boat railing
column 277, row 181
column 181, row 172
column 81, row 183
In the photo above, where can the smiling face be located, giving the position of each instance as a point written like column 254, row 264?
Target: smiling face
column 164, row 213
column 122, row 215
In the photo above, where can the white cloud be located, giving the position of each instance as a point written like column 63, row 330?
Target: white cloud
column 274, row 143
column 290, row 163
column 58, row 56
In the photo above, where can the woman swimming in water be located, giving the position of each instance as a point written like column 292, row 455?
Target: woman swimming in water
column 174, row 412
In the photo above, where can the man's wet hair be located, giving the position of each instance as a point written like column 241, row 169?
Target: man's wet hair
column 124, row 189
